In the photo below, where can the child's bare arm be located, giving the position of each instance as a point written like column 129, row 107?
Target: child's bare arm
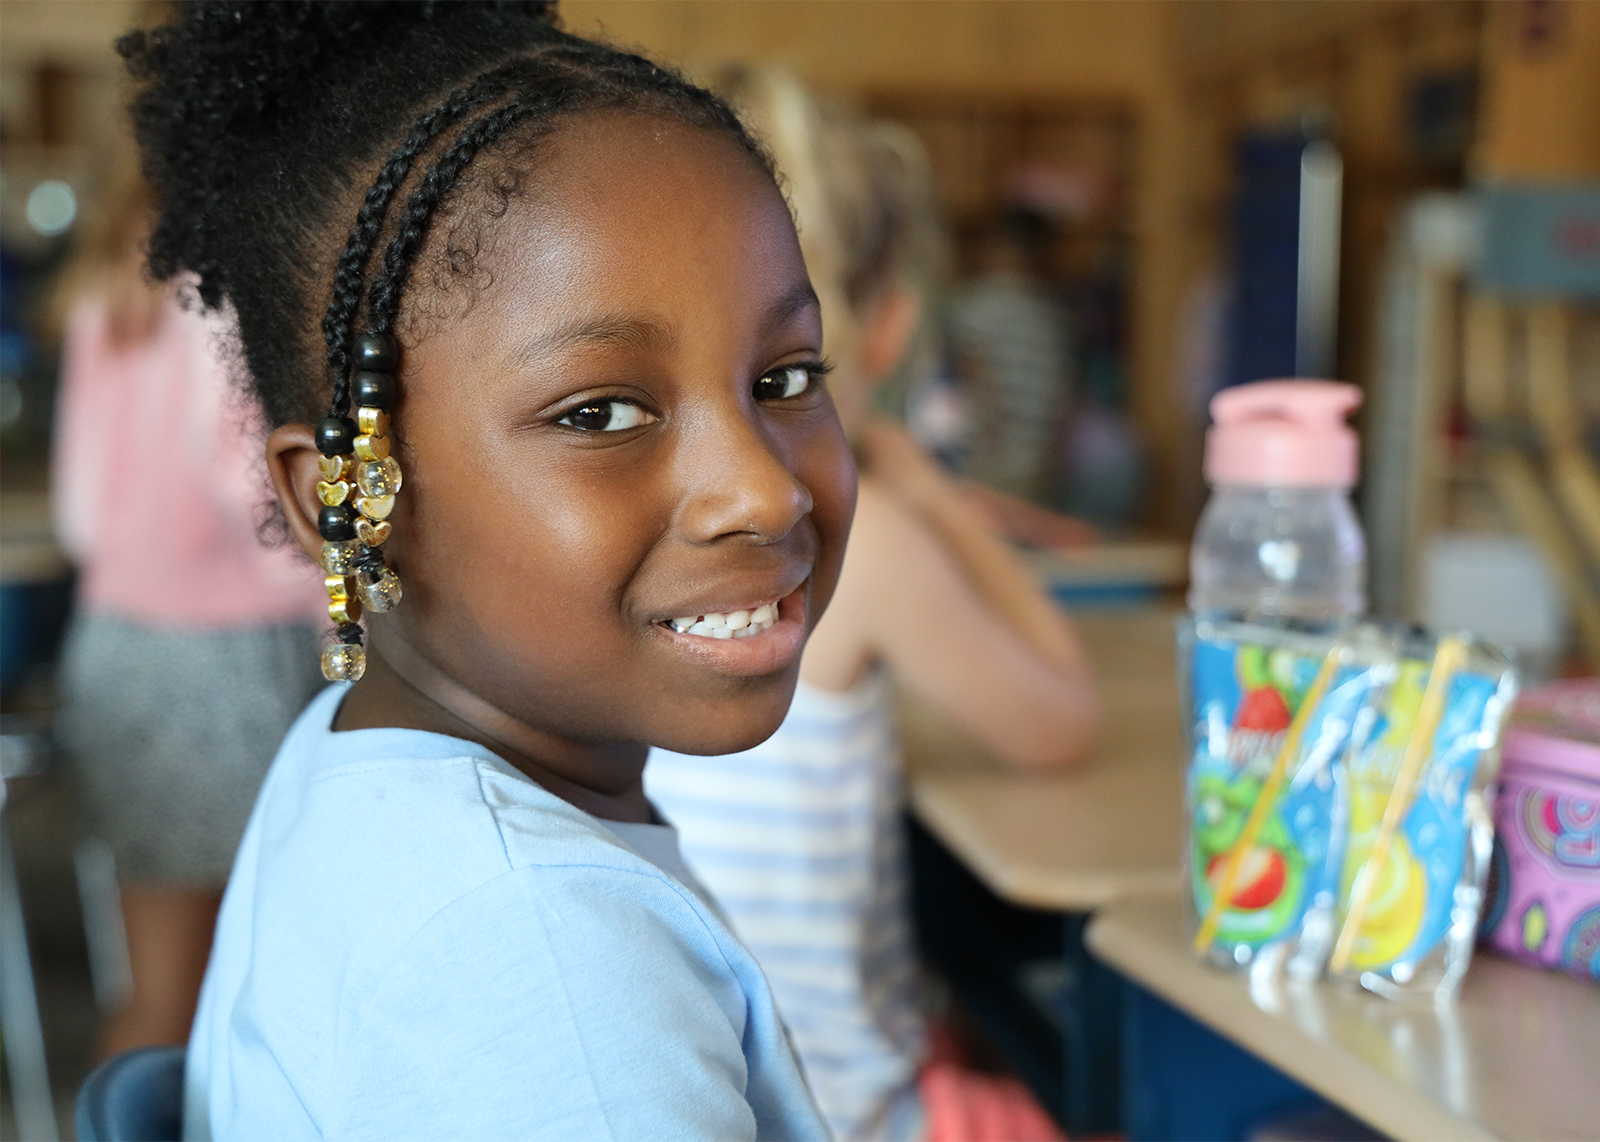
column 1025, row 522
column 961, row 618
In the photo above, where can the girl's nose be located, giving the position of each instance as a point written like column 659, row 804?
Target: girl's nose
column 738, row 485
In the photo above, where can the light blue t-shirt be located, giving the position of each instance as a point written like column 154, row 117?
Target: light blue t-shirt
column 419, row 942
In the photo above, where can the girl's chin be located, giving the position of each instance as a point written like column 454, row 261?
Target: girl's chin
column 734, row 725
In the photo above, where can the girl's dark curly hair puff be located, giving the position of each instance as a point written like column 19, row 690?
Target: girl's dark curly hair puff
column 270, row 130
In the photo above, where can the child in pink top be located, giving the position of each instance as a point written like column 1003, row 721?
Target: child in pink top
column 192, row 647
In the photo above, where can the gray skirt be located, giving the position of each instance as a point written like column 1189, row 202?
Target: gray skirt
column 171, row 731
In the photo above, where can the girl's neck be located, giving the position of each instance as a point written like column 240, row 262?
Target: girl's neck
column 402, row 689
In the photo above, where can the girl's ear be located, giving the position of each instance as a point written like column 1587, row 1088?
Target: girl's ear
column 292, row 462
column 891, row 319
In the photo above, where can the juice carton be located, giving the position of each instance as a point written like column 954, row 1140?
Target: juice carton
column 1245, row 685
column 1408, row 917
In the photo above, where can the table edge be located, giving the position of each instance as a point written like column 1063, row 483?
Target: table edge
column 1420, row 1118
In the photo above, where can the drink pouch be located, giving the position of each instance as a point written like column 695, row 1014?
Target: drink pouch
column 1244, row 685
column 1420, row 833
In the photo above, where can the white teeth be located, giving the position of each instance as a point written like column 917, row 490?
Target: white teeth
column 739, row 624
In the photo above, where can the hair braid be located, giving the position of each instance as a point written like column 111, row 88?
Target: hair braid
column 383, row 300
column 349, row 280
column 254, row 118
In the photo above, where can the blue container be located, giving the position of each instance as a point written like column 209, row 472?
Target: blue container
column 1540, row 241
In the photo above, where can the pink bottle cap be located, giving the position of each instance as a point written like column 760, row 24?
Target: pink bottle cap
column 1283, row 434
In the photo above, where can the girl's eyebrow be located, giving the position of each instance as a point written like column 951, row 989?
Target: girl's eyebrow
column 624, row 332
column 800, row 298
column 651, row 333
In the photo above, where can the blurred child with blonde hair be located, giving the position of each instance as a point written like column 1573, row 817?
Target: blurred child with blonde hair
column 800, row 838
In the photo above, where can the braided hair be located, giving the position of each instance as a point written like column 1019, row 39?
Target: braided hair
column 259, row 121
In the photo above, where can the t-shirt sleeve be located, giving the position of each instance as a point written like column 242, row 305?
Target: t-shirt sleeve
column 554, row 1003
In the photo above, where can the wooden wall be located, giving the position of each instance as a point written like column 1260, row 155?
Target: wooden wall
column 1090, row 49
column 1541, row 120
column 1096, row 49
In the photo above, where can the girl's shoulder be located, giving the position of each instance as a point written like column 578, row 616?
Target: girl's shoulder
column 425, row 807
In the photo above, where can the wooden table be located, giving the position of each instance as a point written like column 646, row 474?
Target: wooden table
column 1518, row 1056
column 1076, row 841
column 1068, row 843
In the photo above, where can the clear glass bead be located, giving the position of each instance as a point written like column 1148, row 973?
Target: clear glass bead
column 340, row 558
column 383, row 593
column 343, row 662
column 379, row 477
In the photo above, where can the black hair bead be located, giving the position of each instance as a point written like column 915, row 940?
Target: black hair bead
column 337, row 522
column 377, row 351
column 374, row 390
column 336, row 435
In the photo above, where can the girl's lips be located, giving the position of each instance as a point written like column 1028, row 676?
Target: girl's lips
column 772, row 650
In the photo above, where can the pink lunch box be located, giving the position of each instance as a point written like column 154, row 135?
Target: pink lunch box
column 1544, row 902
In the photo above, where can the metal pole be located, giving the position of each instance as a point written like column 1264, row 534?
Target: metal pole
column 19, row 1010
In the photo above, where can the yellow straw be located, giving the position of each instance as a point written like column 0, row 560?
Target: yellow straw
column 1449, row 658
column 1264, row 801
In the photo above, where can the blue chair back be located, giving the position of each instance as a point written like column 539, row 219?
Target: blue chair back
column 136, row 1096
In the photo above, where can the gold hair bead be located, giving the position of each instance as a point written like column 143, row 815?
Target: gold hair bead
column 336, row 467
column 375, row 507
column 333, row 494
column 343, row 662
column 373, row 534
column 372, row 447
column 372, row 421
column 345, row 611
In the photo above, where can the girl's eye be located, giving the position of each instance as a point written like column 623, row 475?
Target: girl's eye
column 785, row 383
column 607, row 416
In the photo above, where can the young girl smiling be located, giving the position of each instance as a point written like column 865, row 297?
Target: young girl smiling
column 531, row 317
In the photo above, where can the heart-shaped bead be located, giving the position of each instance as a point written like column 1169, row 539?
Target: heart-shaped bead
column 335, row 467
column 333, row 494
column 375, row 507
column 373, row 534
column 372, row 447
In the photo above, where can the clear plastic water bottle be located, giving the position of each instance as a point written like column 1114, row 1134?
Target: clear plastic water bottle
column 1278, row 539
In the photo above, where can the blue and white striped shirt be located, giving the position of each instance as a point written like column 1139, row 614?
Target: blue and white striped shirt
column 801, row 842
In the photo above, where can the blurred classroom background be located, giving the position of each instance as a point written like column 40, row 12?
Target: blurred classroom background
column 1401, row 194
